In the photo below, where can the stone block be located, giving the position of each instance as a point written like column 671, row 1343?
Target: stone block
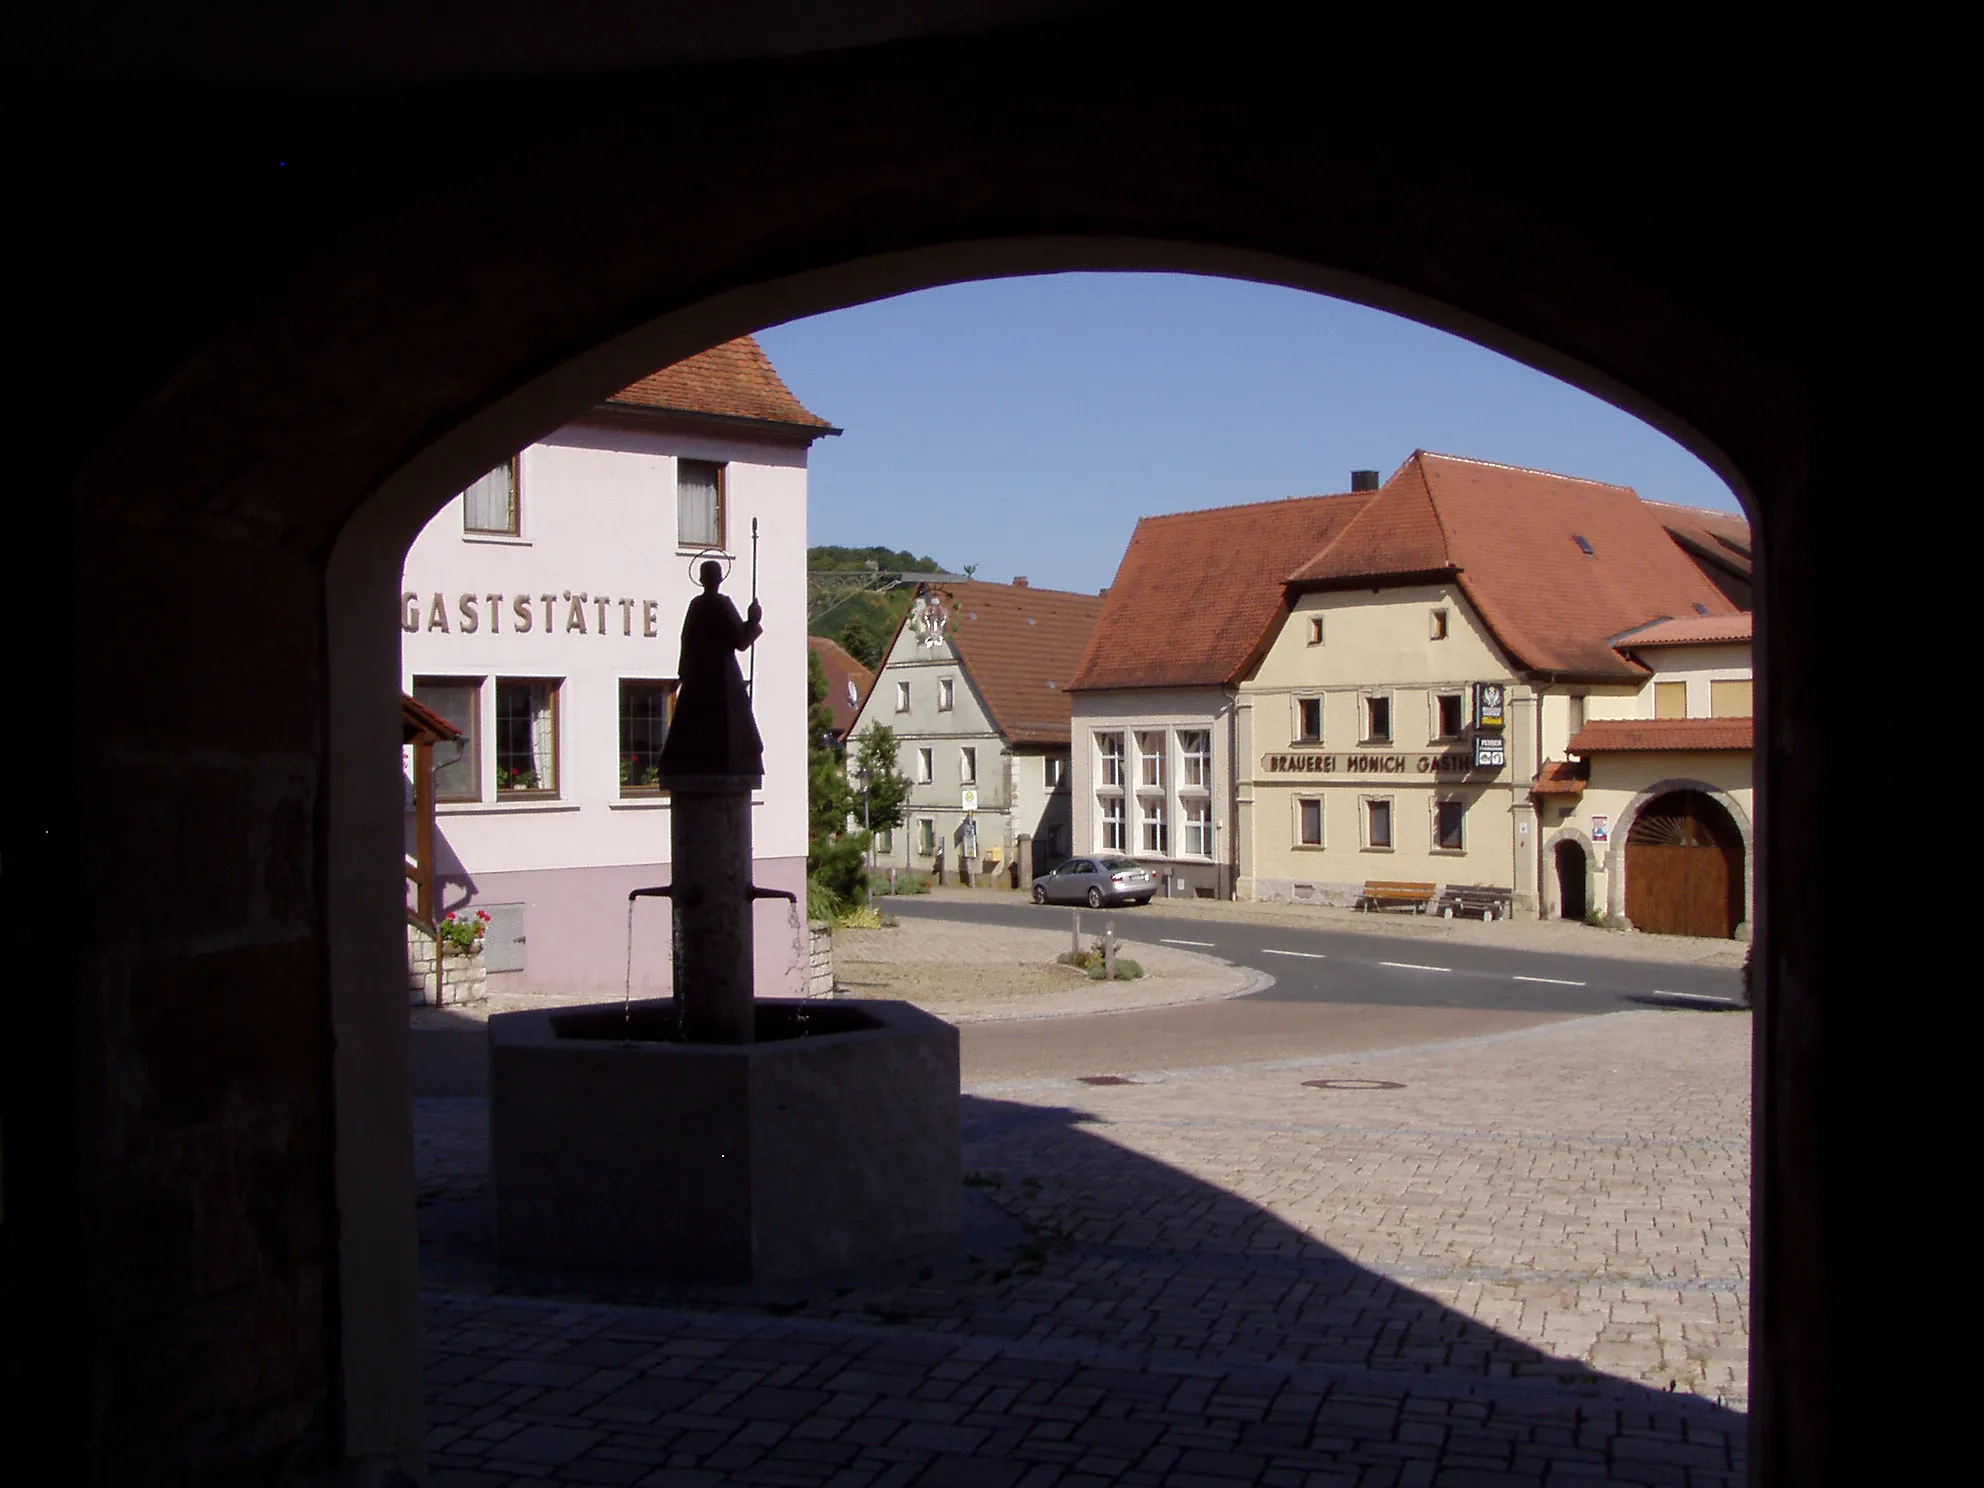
column 666, row 1162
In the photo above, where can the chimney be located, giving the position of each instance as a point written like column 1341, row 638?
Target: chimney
column 1363, row 480
column 1020, row 582
column 1105, row 592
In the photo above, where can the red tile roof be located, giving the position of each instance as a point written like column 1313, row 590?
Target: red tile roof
column 1020, row 647
column 1688, row 630
column 1559, row 778
column 840, row 669
column 1640, row 735
column 417, row 720
column 1509, row 537
column 1718, row 536
column 1199, row 594
column 734, row 380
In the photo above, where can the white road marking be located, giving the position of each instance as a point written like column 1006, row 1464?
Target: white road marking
column 1699, row 997
column 1305, row 955
column 1413, row 966
column 1163, row 941
column 1551, row 981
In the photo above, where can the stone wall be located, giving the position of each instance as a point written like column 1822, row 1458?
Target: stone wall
column 819, row 959
column 463, row 979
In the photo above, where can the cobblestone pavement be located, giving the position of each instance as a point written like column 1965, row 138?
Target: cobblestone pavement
column 1520, row 1258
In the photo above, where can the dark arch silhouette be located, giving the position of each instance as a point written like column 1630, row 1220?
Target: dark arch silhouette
column 345, row 307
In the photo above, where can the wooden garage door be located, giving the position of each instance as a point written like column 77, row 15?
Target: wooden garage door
column 1684, row 873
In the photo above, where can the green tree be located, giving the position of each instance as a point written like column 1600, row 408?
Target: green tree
column 887, row 787
column 835, row 856
column 864, row 638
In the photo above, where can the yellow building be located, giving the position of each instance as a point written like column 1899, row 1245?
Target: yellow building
column 1438, row 705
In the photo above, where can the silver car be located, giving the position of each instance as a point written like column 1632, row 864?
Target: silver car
column 1096, row 882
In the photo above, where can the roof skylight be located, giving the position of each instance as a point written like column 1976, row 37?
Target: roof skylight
column 1583, row 545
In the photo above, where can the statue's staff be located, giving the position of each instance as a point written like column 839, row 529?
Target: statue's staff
column 751, row 682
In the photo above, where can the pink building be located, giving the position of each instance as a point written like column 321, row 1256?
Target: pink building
column 542, row 611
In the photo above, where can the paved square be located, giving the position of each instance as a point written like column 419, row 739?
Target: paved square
column 1520, row 1258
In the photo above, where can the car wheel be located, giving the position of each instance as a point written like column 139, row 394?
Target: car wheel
column 1039, row 894
column 1141, row 903
column 1095, row 898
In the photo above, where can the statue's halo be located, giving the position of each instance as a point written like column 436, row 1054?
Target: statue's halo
column 704, row 555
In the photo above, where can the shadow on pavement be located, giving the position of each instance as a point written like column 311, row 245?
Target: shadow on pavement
column 1101, row 1265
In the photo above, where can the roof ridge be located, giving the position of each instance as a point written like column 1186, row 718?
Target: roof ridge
column 1278, row 501
column 1581, row 480
column 1446, row 538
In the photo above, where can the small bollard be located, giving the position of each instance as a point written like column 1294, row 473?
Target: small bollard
column 1108, row 951
column 1078, row 932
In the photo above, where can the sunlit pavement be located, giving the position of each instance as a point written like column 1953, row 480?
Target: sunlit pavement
column 1515, row 1257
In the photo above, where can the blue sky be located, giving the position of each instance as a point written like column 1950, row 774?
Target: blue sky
column 1025, row 424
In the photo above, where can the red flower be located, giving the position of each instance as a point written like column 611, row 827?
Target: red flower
column 450, row 915
column 482, row 914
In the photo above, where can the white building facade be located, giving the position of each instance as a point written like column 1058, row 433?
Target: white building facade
column 542, row 612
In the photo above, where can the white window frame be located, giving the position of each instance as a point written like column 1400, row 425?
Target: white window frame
column 947, row 694
column 967, row 764
column 1446, row 798
column 1433, row 729
column 1187, row 757
column 902, row 697
column 1439, row 623
column 1295, row 733
column 1295, row 837
column 1364, row 805
column 1146, row 758
column 926, row 765
column 1054, row 772
column 1153, row 811
column 1112, row 818
column 1195, row 829
column 1365, row 736
column 1108, row 763
column 1315, row 630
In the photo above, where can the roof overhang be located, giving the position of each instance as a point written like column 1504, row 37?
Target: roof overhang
column 642, row 419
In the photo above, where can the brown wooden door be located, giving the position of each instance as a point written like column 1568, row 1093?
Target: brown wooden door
column 1683, row 874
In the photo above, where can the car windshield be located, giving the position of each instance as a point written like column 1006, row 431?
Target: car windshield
column 1116, row 865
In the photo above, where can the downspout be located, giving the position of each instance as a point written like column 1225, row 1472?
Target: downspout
column 1232, row 865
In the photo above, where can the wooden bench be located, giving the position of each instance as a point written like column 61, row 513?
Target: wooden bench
column 1469, row 900
column 1384, row 894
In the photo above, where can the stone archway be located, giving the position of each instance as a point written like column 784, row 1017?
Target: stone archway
column 1553, row 906
column 1615, row 856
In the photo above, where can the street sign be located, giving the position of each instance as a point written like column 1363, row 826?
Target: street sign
column 971, row 798
column 1490, row 710
column 1490, row 753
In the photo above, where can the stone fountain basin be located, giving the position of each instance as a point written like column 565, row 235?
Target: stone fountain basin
column 659, row 1161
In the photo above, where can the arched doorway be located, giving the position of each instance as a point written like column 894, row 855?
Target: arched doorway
column 1571, row 902
column 1684, row 867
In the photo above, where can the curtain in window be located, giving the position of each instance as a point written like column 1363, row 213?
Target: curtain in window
column 490, row 505
column 698, row 504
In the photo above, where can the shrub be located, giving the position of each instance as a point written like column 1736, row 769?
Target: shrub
column 821, row 901
column 906, row 883
column 1126, row 970
column 860, row 917
column 1595, row 918
column 1091, row 961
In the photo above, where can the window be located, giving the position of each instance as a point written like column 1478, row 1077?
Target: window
column 1453, row 714
column 490, row 506
column 1378, row 824
column 946, row 694
column 885, row 840
column 1150, row 761
column 1055, row 771
column 644, row 710
column 526, row 738
column 1577, row 701
column 1156, row 836
column 1113, row 839
column 1309, row 720
column 1670, row 700
column 925, row 766
column 1439, row 630
column 1729, row 699
column 1198, row 826
column 968, row 766
column 926, row 836
column 1309, row 822
column 1195, row 759
column 699, row 513
column 1315, row 630
column 1110, row 747
column 457, row 765
column 1377, row 720
column 902, row 697
column 1449, row 825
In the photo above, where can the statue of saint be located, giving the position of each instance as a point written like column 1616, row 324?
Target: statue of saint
column 712, row 731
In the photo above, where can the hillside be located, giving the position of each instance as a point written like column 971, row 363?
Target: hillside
column 857, row 596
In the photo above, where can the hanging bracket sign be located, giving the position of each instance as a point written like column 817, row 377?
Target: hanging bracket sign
column 1490, row 705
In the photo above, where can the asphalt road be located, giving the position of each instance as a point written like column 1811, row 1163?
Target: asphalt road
column 1335, row 966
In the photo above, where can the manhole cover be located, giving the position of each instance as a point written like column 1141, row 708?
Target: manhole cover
column 1355, row 1084
column 1105, row 1080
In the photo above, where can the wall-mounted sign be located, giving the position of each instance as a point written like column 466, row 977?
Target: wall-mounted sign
column 1490, row 752
column 1305, row 762
column 970, row 797
column 1601, row 828
column 588, row 614
column 1490, row 705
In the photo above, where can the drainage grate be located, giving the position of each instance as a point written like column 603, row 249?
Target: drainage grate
column 1105, row 1080
column 1354, row 1084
